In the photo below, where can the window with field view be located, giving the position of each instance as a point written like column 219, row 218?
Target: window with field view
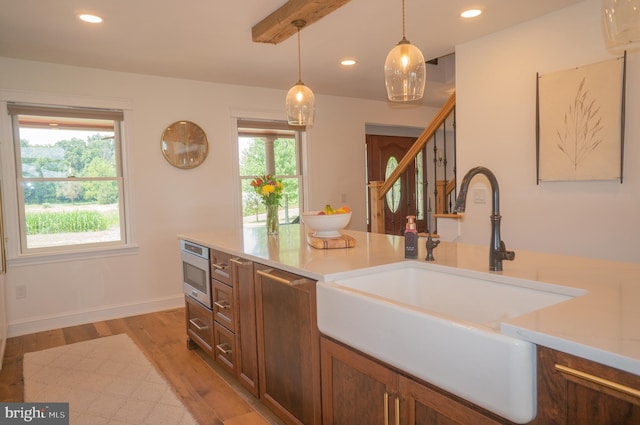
column 69, row 177
column 269, row 148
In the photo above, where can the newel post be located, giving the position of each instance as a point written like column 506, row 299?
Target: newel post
column 377, row 207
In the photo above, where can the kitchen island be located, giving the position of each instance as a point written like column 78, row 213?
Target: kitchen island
column 602, row 325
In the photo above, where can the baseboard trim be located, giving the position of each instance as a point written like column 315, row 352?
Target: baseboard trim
column 45, row 323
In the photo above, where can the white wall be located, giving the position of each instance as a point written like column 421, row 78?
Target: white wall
column 495, row 81
column 170, row 201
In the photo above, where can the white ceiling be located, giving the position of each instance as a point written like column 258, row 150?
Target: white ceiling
column 210, row 40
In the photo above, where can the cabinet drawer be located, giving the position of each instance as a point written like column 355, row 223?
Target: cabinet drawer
column 220, row 266
column 225, row 347
column 199, row 324
column 223, row 305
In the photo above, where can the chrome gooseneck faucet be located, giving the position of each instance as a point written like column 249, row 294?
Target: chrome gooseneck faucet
column 497, row 249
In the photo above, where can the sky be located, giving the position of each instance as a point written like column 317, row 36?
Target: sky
column 39, row 136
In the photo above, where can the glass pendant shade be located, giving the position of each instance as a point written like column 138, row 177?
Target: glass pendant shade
column 621, row 21
column 300, row 101
column 300, row 104
column 405, row 72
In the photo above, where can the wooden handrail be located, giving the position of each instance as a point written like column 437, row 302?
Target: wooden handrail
column 451, row 186
column 418, row 145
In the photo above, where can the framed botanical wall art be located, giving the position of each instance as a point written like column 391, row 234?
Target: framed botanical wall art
column 580, row 122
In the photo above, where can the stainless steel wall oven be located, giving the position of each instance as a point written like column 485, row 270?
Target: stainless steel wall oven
column 196, row 272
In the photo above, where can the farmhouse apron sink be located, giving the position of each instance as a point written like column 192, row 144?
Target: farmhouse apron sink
column 442, row 325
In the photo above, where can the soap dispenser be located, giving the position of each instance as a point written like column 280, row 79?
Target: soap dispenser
column 411, row 238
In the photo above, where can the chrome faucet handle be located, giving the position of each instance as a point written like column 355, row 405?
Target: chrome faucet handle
column 431, row 244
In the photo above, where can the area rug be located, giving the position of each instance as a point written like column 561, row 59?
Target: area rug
column 105, row 381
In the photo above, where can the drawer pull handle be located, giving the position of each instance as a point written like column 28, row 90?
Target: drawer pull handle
column 267, row 273
column 397, row 410
column 386, row 408
column 597, row 380
column 224, row 348
column 197, row 325
column 239, row 262
column 223, row 305
column 221, row 266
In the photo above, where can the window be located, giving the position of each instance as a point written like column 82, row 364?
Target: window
column 395, row 193
column 274, row 148
column 69, row 177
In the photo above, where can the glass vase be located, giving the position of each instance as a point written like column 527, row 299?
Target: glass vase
column 272, row 220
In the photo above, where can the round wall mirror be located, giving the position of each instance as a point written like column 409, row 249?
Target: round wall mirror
column 184, row 144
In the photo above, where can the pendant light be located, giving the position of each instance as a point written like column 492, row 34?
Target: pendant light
column 300, row 99
column 622, row 22
column 404, row 70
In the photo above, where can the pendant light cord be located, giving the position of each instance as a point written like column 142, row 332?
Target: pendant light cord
column 403, row 34
column 299, row 62
column 299, row 24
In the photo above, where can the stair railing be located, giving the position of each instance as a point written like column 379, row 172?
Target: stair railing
column 443, row 189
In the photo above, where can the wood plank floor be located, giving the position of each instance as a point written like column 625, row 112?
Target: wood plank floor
column 209, row 393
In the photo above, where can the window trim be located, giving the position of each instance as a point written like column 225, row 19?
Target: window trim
column 9, row 178
column 243, row 128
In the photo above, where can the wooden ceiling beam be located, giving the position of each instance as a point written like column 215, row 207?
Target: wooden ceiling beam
column 278, row 26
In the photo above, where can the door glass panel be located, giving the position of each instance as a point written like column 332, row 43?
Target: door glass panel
column 394, row 194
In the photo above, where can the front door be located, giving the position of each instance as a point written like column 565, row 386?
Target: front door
column 383, row 155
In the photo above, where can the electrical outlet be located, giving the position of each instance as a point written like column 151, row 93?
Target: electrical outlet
column 21, row 291
column 479, row 196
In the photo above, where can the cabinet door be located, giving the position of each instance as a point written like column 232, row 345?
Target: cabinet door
column 575, row 391
column 355, row 389
column 246, row 345
column 288, row 345
column 421, row 404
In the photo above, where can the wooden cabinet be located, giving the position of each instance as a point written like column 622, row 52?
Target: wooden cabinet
column 224, row 310
column 357, row 389
column 228, row 331
column 288, row 345
column 245, row 318
column 575, row 391
column 199, row 325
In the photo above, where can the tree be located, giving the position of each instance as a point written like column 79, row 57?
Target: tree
column 74, row 155
column 104, row 192
column 99, row 146
column 69, row 190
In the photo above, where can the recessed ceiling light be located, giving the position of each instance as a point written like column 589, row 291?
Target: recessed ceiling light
column 348, row 62
column 471, row 13
column 93, row 19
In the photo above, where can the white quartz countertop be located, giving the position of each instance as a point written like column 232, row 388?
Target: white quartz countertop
column 602, row 325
